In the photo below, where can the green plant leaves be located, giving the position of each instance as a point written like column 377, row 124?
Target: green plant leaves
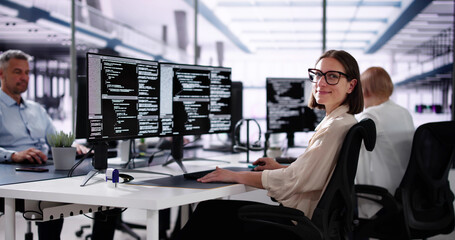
column 61, row 139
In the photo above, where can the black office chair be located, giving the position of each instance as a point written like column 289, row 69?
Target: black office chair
column 423, row 203
column 334, row 214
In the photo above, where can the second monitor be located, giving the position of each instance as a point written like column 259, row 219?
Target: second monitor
column 195, row 100
column 287, row 110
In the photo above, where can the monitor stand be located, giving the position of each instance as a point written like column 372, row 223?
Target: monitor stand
column 100, row 165
column 99, row 161
column 177, row 154
column 291, row 144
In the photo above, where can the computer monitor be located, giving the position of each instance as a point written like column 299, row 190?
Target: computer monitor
column 131, row 98
column 194, row 100
column 236, row 115
column 122, row 101
column 237, row 109
column 287, row 110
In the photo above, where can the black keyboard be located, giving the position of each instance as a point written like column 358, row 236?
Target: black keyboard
column 196, row 175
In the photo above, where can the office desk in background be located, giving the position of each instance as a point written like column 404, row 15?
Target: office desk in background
column 97, row 192
column 9, row 175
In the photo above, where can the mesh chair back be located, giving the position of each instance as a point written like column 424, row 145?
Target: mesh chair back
column 425, row 191
column 335, row 210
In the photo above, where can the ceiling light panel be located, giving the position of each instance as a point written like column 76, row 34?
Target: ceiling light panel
column 376, row 12
column 365, row 26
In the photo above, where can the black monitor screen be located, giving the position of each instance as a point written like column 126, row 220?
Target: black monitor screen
column 123, row 95
column 287, row 109
column 194, row 99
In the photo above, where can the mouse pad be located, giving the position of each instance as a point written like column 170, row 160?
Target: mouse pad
column 181, row 182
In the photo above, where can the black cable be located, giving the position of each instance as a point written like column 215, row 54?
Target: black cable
column 32, row 219
column 70, row 173
column 91, row 217
column 39, row 206
column 106, row 214
column 113, row 214
column 40, row 212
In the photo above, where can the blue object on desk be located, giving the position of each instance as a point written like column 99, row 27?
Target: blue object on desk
column 112, row 174
column 252, row 166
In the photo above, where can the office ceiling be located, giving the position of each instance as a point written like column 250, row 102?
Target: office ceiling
column 254, row 26
column 365, row 25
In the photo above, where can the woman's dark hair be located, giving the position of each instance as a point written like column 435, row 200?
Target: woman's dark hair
column 354, row 100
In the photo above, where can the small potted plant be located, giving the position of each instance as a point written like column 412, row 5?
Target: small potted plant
column 63, row 153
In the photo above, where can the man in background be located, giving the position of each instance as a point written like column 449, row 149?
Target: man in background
column 24, row 125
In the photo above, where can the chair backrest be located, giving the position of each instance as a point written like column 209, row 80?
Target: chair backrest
column 424, row 191
column 335, row 210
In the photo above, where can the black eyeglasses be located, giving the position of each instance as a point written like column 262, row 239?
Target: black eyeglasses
column 331, row 77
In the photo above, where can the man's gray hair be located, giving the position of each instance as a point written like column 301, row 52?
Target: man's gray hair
column 12, row 54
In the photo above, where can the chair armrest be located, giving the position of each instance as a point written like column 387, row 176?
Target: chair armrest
column 289, row 219
column 387, row 223
column 377, row 194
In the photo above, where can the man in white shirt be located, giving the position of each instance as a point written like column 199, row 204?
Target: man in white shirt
column 386, row 164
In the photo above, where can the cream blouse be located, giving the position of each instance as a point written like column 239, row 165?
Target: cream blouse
column 301, row 184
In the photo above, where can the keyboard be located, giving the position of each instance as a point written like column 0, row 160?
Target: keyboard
column 196, row 175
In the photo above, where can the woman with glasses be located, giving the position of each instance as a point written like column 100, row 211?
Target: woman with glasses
column 337, row 90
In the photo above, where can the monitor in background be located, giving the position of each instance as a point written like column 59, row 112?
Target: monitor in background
column 194, row 100
column 236, row 115
column 237, row 109
column 287, row 110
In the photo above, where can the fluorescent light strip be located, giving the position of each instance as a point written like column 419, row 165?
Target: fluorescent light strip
column 9, row 11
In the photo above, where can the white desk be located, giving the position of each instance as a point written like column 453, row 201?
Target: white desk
column 97, row 192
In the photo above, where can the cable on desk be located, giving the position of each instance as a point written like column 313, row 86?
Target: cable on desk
column 70, row 173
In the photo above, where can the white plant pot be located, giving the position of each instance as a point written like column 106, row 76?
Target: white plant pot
column 64, row 157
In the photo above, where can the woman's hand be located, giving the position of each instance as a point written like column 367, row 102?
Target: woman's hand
column 219, row 175
column 266, row 163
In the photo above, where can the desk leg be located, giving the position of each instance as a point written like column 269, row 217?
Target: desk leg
column 185, row 211
column 152, row 225
column 10, row 218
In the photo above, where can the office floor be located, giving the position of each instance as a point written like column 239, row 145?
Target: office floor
column 72, row 224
